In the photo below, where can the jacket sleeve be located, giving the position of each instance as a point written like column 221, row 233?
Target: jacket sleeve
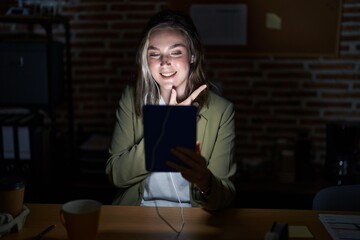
column 126, row 164
column 221, row 161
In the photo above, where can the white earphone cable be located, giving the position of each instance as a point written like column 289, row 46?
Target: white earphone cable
column 178, row 231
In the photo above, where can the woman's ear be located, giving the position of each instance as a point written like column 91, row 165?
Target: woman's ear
column 192, row 59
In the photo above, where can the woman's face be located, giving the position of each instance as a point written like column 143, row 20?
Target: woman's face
column 169, row 60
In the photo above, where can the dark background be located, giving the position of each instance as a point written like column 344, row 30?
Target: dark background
column 283, row 106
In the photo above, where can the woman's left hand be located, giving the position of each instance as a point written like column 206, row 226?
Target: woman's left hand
column 196, row 170
column 187, row 101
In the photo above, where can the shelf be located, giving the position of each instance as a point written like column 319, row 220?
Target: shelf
column 60, row 144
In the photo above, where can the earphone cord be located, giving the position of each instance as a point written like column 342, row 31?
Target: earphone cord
column 172, row 180
column 181, row 211
column 181, row 207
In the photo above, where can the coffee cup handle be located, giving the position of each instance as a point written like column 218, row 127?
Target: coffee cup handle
column 61, row 216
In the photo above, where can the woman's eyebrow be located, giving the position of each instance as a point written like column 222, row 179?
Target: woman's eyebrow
column 178, row 45
column 152, row 48
column 171, row 47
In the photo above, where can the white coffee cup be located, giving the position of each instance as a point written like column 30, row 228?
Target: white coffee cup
column 81, row 218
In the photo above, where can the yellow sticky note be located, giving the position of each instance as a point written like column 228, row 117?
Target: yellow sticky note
column 273, row 21
column 300, row 232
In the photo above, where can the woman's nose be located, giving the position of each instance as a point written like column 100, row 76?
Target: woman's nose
column 165, row 60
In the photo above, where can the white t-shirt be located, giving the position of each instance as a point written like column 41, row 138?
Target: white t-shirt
column 166, row 189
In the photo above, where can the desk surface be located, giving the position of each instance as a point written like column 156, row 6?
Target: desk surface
column 125, row 222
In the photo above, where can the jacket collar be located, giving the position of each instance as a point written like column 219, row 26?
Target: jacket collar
column 202, row 123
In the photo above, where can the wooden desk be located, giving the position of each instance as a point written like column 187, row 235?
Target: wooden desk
column 124, row 222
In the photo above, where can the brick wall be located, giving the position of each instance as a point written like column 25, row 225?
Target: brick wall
column 275, row 97
column 104, row 39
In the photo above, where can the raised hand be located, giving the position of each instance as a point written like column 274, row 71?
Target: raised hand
column 188, row 100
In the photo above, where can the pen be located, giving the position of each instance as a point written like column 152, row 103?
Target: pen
column 45, row 231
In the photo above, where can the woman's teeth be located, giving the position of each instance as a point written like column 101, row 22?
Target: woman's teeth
column 167, row 74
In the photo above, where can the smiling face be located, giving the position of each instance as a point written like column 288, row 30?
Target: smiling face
column 168, row 58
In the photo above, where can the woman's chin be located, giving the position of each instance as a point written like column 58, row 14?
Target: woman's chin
column 168, row 85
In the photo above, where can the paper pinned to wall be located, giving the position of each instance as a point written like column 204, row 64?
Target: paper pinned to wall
column 221, row 24
column 273, row 21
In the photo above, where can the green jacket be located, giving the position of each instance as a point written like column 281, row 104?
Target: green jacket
column 215, row 131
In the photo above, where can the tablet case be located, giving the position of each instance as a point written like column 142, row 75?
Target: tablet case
column 165, row 127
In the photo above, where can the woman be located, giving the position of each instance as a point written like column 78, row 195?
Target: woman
column 170, row 71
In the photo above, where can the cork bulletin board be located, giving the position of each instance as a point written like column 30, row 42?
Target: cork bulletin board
column 272, row 27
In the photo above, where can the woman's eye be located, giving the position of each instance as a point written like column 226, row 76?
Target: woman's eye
column 176, row 53
column 154, row 55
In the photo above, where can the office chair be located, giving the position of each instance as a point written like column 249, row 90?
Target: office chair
column 340, row 198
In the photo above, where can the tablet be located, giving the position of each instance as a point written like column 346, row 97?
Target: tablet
column 166, row 127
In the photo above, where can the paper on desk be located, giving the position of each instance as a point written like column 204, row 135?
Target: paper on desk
column 341, row 226
column 299, row 232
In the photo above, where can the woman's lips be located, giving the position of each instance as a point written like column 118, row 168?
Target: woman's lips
column 168, row 75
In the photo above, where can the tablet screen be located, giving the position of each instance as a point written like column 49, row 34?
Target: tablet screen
column 166, row 127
